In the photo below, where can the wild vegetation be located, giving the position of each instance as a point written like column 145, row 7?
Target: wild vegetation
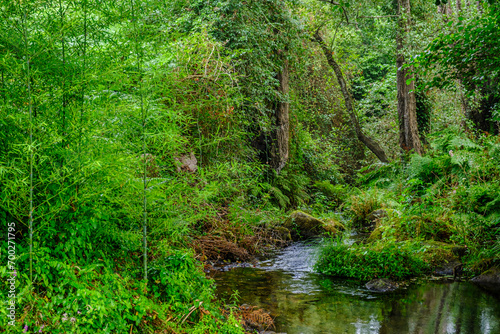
column 143, row 140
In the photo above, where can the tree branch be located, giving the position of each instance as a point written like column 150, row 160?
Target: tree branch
column 369, row 142
column 335, row 3
column 377, row 17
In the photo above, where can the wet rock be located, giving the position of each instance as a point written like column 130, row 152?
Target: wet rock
column 459, row 251
column 303, row 226
column 489, row 280
column 444, row 258
column 448, row 268
column 381, row 285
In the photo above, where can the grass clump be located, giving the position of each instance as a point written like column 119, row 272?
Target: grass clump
column 390, row 260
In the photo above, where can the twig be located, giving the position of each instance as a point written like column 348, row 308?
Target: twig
column 191, row 310
column 377, row 17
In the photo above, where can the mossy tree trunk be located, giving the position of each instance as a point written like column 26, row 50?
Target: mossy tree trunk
column 407, row 106
column 280, row 151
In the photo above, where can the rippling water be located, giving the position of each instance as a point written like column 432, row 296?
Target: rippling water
column 305, row 302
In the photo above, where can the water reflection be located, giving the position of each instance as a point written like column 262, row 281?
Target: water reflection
column 305, row 302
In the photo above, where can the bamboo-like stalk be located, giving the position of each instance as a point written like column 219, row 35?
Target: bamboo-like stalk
column 84, row 68
column 28, row 80
column 144, row 157
column 64, row 102
column 3, row 89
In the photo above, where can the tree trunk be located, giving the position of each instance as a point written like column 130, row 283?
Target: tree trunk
column 369, row 142
column 281, row 146
column 479, row 7
column 459, row 7
column 449, row 9
column 407, row 108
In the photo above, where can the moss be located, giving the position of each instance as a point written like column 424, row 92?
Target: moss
column 437, row 253
column 283, row 233
column 303, row 225
column 375, row 235
column 333, row 226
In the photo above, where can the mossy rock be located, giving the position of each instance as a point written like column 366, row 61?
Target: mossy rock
column 382, row 285
column 375, row 235
column 333, row 226
column 303, row 225
column 377, row 215
column 489, row 280
column 445, row 258
column 283, row 233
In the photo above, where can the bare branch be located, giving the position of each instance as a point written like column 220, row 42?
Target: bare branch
column 337, row 4
column 369, row 142
column 377, row 17
column 331, row 2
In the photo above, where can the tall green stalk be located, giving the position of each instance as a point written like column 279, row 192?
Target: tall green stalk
column 144, row 156
column 3, row 89
column 84, row 69
column 28, row 81
column 64, row 102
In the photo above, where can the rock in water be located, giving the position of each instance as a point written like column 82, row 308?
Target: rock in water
column 381, row 285
column 448, row 268
column 302, row 225
column 489, row 280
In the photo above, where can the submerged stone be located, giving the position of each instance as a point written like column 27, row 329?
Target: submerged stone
column 381, row 285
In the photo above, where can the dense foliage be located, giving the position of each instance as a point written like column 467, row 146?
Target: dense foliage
column 133, row 131
column 389, row 261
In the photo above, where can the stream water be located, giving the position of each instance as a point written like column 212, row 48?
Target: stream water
column 302, row 301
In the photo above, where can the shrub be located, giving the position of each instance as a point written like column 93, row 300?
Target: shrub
column 392, row 260
column 363, row 204
column 335, row 195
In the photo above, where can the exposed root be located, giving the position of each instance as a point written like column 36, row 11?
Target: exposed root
column 266, row 238
column 253, row 318
column 216, row 248
column 227, row 241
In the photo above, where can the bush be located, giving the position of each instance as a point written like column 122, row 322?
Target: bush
column 331, row 195
column 363, row 204
column 392, row 260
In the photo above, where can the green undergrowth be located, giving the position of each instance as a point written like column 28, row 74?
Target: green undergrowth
column 384, row 260
column 449, row 195
column 82, row 297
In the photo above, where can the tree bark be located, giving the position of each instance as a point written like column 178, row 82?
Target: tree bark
column 407, row 107
column 369, row 142
column 479, row 7
column 280, row 150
